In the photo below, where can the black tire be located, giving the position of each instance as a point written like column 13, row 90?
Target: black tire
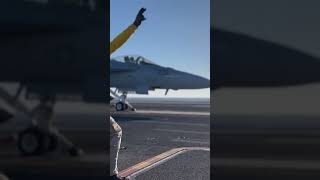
column 35, row 136
column 120, row 106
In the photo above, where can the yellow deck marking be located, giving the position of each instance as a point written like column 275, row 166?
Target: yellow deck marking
column 156, row 159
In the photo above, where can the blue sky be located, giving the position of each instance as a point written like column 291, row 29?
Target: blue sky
column 176, row 34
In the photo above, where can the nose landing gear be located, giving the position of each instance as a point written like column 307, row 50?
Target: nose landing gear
column 33, row 142
column 120, row 106
column 41, row 137
column 121, row 103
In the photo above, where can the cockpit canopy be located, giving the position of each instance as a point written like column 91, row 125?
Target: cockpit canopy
column 135, row 59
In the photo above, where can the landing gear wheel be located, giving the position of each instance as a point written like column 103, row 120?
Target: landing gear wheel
column 31, row 142
column 120, row 106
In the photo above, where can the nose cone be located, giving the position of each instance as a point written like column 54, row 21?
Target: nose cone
column 182, row 80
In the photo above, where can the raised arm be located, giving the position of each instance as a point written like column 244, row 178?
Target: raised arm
column 125, row 35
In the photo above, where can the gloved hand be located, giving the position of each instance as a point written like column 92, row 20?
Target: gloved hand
column 140, row 17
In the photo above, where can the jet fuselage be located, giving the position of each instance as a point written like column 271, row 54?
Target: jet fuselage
column 144, row 76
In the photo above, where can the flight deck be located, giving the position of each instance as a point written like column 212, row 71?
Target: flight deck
column 162, row 139
column 165, row 139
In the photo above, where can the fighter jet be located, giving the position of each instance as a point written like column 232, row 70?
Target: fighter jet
column 133, row 73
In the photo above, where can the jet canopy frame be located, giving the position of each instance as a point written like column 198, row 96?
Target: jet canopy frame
column 134, row 59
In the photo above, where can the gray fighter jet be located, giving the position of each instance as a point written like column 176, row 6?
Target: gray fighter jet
column 140, row 75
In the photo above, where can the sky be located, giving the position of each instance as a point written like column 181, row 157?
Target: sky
column 176, row 34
